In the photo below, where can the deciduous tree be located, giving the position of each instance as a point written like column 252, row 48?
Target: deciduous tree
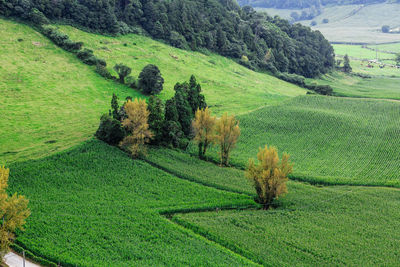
column 123, row 71
column 227, row 133
column 346, row 64
column 137, row 127
column 269, row 176
column 13, row 213
column 204, row 125
column 150, row 80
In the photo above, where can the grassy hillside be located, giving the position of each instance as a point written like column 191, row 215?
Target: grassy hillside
column 331, row 140
column 352, row 23
column 94, row 206
column 228, row 87
column 49, row 100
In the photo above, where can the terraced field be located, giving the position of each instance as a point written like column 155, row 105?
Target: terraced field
column 228, row 86
column 94, row 206
column 331, row 140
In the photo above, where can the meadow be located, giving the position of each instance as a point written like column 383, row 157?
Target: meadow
column 331, row 140
column 382, row 87
column 227, row 86
column 94, row 206
column 49, row 100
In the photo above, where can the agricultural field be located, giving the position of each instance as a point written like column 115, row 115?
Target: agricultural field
column 95, row 206
column 49, row 100
column 218, row 75
column 382, row 87
column 352, row 23
column 395, row 48
column 331, row 140
column 312, row 226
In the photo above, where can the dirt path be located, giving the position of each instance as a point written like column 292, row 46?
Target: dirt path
column 15, row 260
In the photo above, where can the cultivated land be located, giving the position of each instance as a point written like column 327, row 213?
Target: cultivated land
column 228, row 86
column 95, row 206
column 332, row 140
column 353, row 23
column 92, row 205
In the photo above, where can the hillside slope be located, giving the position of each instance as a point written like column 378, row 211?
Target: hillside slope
column 228, row 86
column 49, row 100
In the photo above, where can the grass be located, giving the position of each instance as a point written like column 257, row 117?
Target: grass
column 331, row 140
column 49, row 100
column 347, row 226
column 353, row 86
column 228, row 86
column 394, row 48
column 94, row 206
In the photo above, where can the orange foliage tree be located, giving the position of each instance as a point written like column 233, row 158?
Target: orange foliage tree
column 227, row 134
column 269, row 176
column 203, row 126
column 13, row 213
column 137, row 127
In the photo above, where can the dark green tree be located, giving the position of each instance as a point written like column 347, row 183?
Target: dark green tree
column 115, row 108
column 110, row 130
column 183, row 107
column 150, row 80
column 346, row 64
column 156, row 118
column 195, row 98
column 123, row 71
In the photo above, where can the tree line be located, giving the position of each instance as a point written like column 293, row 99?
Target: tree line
column 269, row 43
column 296, row 4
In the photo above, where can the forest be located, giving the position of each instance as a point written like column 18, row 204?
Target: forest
column 255, row 40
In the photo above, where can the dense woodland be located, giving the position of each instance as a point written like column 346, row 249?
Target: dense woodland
column 296, row 4
column 254, row 39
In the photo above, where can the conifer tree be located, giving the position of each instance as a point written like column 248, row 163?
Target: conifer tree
column 346, row 64
column 269, row 176
column 227, row 134
column 137, row 127
column 13, row 213
column 204, row 125
column 156, row 118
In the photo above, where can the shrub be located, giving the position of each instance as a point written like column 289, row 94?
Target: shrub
column 150, row 80
column 132, row 82
column 291, row 78
column 269, row 177
column 103, row 71
column 110, row 130
column 38, row 17
column 320, row 89
column 385, row 28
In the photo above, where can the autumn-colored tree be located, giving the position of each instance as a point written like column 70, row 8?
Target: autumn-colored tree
column 137, row 127
column 227, row 133
column 203, row 126
column 13, row 213
column 269, row 177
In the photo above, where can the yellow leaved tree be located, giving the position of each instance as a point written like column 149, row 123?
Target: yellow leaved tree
column 137, row 127
column 269, row 176
column 13, row 213
column 227, row 133
column 203, row 126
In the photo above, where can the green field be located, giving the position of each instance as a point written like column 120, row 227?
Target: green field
column 352, row 23
column 49, row 100
column 94, row 206
column 395, row 48
column 352, row 86
column 331, row 140
column 334, row 226
column 228, row 87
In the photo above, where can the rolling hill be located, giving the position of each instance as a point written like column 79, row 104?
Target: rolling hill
column 51, row 101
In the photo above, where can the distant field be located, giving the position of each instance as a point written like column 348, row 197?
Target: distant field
column 389, row 47
column 353, row 23
column 353, row 86
column 331, row 140
column 228, row 86
column 94, row 206
column 49, row 100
